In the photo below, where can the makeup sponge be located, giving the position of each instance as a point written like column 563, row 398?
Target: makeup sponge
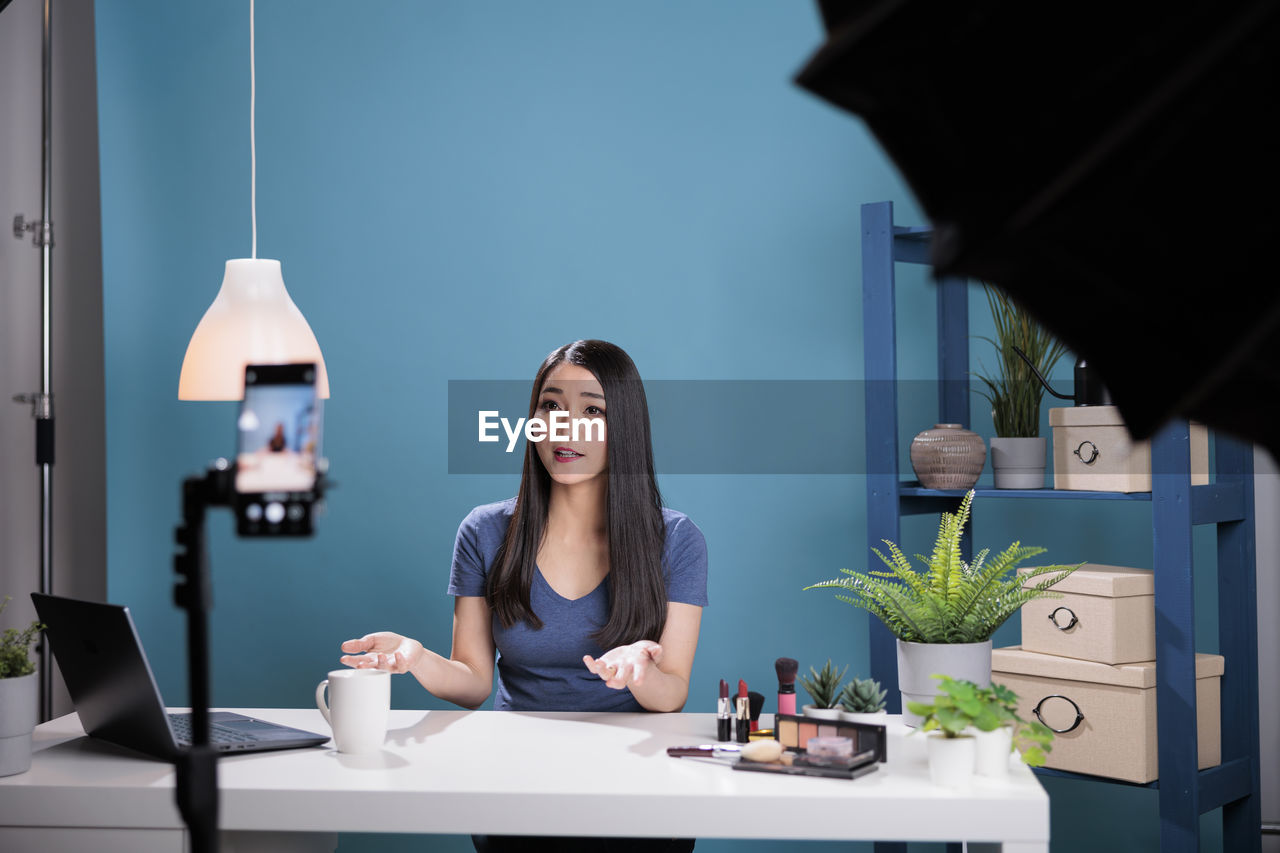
column 762, row 750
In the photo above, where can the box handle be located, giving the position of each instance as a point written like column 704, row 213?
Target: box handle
column 1093, row 452
column 1053, row 617
column 1072, row 727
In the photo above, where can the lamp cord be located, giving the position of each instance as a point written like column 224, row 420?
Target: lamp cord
column 253, row 143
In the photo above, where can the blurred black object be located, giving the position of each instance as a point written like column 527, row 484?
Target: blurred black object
column 1113, row 167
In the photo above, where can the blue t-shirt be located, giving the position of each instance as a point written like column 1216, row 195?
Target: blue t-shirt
column 542, row 670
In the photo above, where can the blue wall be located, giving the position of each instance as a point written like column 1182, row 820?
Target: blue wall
column 454, row 189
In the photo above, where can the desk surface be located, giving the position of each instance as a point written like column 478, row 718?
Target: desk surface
column 523, row 773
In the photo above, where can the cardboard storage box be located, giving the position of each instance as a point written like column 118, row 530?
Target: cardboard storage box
column 1106, row 614
column 1113, row 732
column 1092, row 451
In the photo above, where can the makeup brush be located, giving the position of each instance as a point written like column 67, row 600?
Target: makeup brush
column 756, row 703
column 786, row 668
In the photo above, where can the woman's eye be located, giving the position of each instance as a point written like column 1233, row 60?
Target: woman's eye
column 549, row 405
column 594, row 411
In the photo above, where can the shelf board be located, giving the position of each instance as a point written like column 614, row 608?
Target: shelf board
column 913, row 232
column 1211, row 504
column 1225, row 783
column 913, row 489
column 1085, row 777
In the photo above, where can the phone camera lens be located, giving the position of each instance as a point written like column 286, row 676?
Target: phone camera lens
column 253, row 512
column 275, row 512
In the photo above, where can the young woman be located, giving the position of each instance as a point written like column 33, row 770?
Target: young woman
column 588, row 589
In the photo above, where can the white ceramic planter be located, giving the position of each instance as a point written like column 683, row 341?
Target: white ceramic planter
column 873, row 717
column 951, row 760
column 18, row 712
column 1018, row 463
column 821, row 713
column 918, row 662
column 992, row 751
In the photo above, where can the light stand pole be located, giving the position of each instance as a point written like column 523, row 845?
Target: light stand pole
column 42, row 401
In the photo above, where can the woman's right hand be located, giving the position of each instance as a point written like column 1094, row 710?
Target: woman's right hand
column 382, row 650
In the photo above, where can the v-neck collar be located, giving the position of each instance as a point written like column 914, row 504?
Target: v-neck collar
column 538, row 571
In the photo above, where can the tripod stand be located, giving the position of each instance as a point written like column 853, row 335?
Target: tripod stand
column 197, row 768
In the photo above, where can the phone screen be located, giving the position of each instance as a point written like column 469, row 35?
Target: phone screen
column 279, row 432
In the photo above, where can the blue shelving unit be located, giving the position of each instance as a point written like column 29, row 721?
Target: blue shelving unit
column 1176, row 507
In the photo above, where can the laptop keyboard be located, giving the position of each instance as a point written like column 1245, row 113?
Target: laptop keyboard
column 181, row 724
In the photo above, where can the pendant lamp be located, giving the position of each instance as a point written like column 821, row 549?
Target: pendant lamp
column 252, row 319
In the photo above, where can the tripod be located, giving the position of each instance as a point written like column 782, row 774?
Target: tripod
column 197, row 767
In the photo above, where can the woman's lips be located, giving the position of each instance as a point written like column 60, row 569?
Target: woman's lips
column 565, row 454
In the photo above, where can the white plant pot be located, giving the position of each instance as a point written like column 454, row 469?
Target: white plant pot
column 874, row 717
column 918, row 662
column 951, row 760
column 18, row 712
column 993, row 751
column 1018, row 463
column 821, row 713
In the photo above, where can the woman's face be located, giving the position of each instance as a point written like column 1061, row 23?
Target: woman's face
column 575, row 393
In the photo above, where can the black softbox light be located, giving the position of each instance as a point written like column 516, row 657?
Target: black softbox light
column 1114, row 168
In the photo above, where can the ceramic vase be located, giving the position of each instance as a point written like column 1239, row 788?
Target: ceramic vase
column 876, row 718
column 1018, row 463
column 821, row 713
column 951, row 760
column 918, row 662
column 18, row 712
column 948, row 457
column 993, row 749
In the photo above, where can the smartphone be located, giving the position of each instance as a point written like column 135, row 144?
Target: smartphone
column 278, row 450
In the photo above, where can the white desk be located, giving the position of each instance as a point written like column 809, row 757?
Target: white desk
column 500, row 773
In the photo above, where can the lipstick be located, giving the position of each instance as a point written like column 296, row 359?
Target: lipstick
column 744, row 713
column 786, row 669
column 723, row 728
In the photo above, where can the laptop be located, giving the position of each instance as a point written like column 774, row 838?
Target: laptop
column 115, row 694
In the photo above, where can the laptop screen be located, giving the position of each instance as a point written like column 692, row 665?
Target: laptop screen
column 106, row 673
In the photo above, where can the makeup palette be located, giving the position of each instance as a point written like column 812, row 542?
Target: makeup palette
column 794, row 732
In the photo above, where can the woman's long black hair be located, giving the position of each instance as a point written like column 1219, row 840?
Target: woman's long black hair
column 637, row 592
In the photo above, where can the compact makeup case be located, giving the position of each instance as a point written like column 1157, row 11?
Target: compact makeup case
column 1105, row 614
column 1092, row 451
column 794, row 732
column 1105, row 715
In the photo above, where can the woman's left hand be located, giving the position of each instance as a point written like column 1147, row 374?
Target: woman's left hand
column 625, row 665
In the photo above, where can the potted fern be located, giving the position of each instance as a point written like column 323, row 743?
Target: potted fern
column 944, row 616
column 1018, row 451
column 18, row 696
column 824, row 689
column 861, row 699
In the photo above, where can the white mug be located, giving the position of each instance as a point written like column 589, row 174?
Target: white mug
column 360, row 703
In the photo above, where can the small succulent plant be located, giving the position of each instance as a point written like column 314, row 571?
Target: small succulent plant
column 863, row 696
column 824, row 687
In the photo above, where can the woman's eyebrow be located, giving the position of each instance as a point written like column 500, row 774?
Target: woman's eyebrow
column 551, row 389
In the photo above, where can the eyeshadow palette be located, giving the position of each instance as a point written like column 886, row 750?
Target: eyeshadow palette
column 794, row 731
